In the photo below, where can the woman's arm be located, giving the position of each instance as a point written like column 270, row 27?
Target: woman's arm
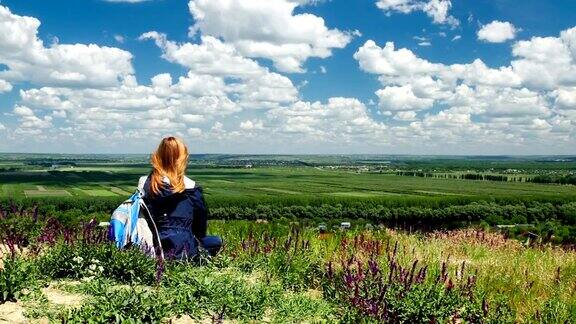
column 200, row 220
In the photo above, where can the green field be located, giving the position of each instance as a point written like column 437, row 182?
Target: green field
column 410, row 192
column 271, row 183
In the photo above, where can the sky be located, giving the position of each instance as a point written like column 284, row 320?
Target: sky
column 483, row 77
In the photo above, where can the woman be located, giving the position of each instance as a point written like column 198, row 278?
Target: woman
column 176, row 203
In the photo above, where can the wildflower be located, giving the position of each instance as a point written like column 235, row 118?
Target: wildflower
column 160, row 268
column 330, row 271
column 374, row 269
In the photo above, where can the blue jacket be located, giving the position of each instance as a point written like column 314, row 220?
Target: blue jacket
column 181, row 218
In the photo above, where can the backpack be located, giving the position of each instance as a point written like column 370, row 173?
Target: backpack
column 131, row 224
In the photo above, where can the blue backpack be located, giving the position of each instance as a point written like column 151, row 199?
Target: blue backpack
column 132, row 224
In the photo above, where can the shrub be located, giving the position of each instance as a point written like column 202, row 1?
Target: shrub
column 121, row 305
column 84, row 260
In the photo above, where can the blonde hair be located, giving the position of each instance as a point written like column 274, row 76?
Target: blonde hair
column 169, row 160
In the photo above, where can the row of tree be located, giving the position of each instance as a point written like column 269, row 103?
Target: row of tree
column 562, row 214
column 564, row 179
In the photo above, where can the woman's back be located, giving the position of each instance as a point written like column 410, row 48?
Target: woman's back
column 176, row 203
column 179, row 216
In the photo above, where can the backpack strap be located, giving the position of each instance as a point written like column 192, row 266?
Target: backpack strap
column 142, row 185
column 155, row 234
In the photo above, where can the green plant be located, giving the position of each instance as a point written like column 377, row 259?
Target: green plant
column 121, row 305
column 88, row 260
column 15, row 275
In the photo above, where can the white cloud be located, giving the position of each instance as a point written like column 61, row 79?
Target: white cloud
column 268, row 29
column 405, row 115
column 546, row 62
column 194, row 132
column 389, row 61
column 212, row 62
column 127, row 1
column 5, row 86
column 565, row 98
column 497, row 32
column 193, row 119
column 23, row 111
column 28, row 120
column 457, row 37
column 249, row 125
column 28, row 59
column 402, row 98
column 438, row 10
column 339, row 120
column 227, row 101
column 119, row 38
column 532, row 99
column 211, row 56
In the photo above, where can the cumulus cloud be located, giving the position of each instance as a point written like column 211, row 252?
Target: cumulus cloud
column 565, row 98
column 228, row 100
column 533, row 97
column 127, row 1
column 405, row 115
column 249, row 125
column 28, row 59
column 212, row 62
column 402, row 98
column 340, row 119
column 438, row 10
column 497, row 32
column 268, row 29
column 5, row 86
column 29, row 120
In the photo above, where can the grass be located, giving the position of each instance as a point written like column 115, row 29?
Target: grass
column 46, row 193
column 247, row 282
column 120, row 191
column 99, row 193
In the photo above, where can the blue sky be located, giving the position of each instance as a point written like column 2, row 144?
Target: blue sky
column 289, row 76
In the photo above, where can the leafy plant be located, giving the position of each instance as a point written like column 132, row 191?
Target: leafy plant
column 16, row 274
column 121, row 305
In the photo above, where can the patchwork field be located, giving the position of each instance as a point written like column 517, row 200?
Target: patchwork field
column 273, row 183
column 46, row 193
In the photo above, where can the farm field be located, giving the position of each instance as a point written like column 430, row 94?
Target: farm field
column 373, row 189
column 271, row 183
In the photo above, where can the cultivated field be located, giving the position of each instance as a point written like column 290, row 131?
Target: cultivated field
column 272, row 183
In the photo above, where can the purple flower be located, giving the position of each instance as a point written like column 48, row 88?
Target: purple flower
column 374, row 268
column 160, row 268
column 330, row 271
